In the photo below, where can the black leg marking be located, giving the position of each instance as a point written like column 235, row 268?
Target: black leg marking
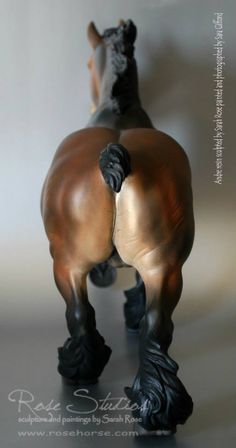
column 82, row 359
column 162, row 400
column 134, row 307
column 85, row 354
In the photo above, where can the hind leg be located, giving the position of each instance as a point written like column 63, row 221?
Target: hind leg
column 84, row 355
column 162, row 400
column 134, row 307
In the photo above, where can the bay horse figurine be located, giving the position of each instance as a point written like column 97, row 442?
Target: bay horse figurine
column 118, row 193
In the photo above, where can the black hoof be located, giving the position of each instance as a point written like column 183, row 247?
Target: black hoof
column 82, row 360
column 103, row 275
column 161, row 400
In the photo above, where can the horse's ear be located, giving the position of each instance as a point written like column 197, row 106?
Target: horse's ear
column 121, row 22
column 130, row 30
column 94, row 36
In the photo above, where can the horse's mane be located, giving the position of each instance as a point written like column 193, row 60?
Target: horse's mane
column 121, row 42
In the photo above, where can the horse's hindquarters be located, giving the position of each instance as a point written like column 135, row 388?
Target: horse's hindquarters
column 77, row 206
column 154, row 217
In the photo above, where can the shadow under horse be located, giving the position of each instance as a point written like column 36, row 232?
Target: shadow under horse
column 118, row 193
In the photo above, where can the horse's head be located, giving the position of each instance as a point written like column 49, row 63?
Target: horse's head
column 112, row 52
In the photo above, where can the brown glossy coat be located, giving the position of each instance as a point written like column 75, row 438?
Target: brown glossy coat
column 150, row 222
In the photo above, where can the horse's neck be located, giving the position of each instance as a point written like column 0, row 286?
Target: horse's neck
column 120, row 106
column 133, row 117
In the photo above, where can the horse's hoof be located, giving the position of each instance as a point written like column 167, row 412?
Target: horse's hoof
column 140, row 431
column 82, row 360
column 161, row 400
column 103, row 275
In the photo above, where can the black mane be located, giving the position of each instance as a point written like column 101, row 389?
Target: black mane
column 121, row 41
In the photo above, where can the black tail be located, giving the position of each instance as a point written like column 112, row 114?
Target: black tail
column 115, row 164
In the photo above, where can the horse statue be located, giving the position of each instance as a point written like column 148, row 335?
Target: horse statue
column 118, row 193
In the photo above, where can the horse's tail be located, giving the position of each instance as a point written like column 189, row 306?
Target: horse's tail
column 115, row 165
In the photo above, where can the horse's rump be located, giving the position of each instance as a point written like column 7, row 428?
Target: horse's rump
column 154, row 208
column 80, row 208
